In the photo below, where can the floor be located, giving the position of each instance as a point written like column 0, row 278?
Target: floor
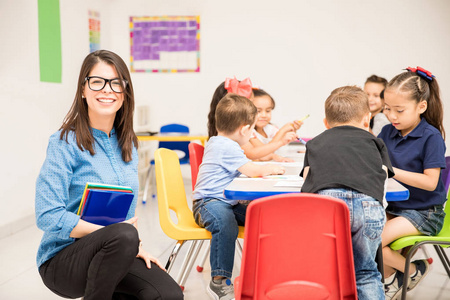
column 19, row 278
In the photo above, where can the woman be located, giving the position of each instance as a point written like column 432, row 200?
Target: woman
column 96, row 143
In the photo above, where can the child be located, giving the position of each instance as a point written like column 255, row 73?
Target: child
column 243, row 88
column 267, row 138
column 230, row 85
column 224, row 160
column 348, row 162
column 416, row 147
column 374, row 86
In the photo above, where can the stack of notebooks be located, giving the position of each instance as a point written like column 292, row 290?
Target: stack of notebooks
column 105, row 204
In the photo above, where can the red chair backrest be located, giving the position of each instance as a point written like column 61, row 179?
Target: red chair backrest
column 297, row 246
column 195, row 157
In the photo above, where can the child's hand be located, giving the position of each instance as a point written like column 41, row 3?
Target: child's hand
column 297, row 124
column 278, row 170
column 279, row 158
column 289, row 137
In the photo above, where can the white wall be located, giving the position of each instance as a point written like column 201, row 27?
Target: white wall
column 297, row 50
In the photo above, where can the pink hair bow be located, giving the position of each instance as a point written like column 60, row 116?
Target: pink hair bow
column 242, row 88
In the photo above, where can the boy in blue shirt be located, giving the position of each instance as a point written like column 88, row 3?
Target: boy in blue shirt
column 347, row 162
column 223, row 160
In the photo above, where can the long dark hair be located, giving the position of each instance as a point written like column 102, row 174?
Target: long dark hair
column 219, row 93
column 420, row 89
column 77, row 119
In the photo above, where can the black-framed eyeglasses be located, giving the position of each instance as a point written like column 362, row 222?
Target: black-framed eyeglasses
column 97, row 83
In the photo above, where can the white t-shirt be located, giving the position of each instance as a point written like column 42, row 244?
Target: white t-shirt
column 270, row 131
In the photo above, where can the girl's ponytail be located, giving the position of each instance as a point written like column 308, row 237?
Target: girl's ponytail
column 435, row 110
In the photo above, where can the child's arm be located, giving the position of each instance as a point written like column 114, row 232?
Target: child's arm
column 253, row 170
column 288, row 127
column 257, row 150
column 427, row 180
column 305, row 172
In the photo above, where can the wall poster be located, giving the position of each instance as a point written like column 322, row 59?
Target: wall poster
column 165, row 44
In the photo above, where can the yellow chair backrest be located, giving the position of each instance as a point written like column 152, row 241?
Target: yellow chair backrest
column 172, row 197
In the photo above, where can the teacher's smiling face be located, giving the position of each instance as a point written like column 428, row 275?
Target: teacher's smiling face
column 103, row 91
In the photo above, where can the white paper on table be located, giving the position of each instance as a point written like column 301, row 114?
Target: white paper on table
column 289, row 183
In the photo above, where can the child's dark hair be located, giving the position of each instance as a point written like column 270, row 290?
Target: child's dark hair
column 262, row 93
column 234, row 111
column 218, row 95
column 346, row 104
column 420, row 89
column 377, row 79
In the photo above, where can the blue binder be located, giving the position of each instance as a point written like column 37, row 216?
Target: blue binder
column 106, row 207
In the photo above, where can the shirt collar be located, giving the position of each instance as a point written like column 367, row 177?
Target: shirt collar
column 416, row 132
column 99, row 133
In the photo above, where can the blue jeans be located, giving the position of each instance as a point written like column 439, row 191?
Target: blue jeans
column 367, row 219
column 222, row 220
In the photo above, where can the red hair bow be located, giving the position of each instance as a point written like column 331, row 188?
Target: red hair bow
column 421, row 72
column 242, row 88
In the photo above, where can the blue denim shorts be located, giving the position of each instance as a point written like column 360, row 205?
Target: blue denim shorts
column 427, row 221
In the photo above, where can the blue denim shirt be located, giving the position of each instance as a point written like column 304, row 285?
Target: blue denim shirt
column 63, row 177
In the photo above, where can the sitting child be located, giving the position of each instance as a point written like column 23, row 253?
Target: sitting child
column 349, row 163
column 374, row 88
column 267, row 138
column 224, row 160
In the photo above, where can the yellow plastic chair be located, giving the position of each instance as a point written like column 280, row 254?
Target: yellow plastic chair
column 172, row 197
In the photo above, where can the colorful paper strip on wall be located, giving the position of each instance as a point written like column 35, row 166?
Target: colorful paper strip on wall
column 94, row 31
column 165, row 44
column 50, row 58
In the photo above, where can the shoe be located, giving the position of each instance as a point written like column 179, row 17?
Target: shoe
column 394, row 289
column 221, row 291
column 422, row 267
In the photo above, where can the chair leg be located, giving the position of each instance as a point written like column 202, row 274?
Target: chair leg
column 444, row 258
column 192, row 259
column 186, row 262
column 239, row 248
column 173, row 255
column 147, row 184
column 379, row 260
column 203, row 259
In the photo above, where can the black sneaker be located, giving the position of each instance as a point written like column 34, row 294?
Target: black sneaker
column 422, row 267
column 394, row 289
column 221, row 291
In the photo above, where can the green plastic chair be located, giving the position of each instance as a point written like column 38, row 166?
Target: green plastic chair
column 416, row 241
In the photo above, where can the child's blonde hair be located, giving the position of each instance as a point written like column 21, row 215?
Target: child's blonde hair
column 346, row 104
column 234, row 111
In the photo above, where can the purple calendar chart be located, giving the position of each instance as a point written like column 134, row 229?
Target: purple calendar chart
column 165, row 44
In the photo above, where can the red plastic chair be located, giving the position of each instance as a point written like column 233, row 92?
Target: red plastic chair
column 297, row 246
column 195, row 156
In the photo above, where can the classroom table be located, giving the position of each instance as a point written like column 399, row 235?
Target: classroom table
column 244, row 188
column 173, row 137
column 253, row 188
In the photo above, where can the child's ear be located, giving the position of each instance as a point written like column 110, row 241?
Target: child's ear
column 423, row 105
column 325, row 122
column 244, row 129
column 366, row 120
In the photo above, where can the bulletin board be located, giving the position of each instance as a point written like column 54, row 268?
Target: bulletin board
column 94, row 31
column 165, row 44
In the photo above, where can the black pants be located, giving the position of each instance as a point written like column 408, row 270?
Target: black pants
column 103, row 265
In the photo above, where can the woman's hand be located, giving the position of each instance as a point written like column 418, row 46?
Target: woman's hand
column 145, row 256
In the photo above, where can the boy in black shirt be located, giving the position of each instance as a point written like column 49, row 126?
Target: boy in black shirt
column 348, row 162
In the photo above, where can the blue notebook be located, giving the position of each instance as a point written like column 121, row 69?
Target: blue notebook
column 105, row 207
